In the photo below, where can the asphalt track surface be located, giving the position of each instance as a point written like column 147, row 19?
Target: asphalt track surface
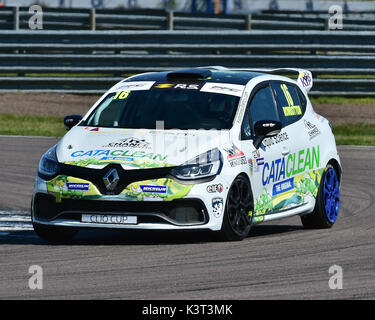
column 279, row 260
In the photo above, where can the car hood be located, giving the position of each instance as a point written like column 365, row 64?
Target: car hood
column 135, row 148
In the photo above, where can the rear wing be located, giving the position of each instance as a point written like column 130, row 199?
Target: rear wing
column 304, row 77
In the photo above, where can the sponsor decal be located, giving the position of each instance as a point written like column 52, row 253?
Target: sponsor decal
column 241, row 109
column 118, row 153
column 215, row 188
column 64, row 187
column 251, row 166
column 292, row 111
column 255, row 164
column 217, row 206
column 260, row 161
column 235, row 156
column 283, row 186
column 243, row 103
column 117, row 158
column 276, row 139
column 158, row 189
column 234, row 152
column 181, row 86
column 154, row 189
column 129, row 143
column 91, row 129
column 237, row 161
column 268, row 125
column 288, row 193
column 163, row 85
column 296, row 163
column 312, row 129
column 305, row 79
column 224, row 88
column 78, row 186
column 135, row 86
column 256, row 154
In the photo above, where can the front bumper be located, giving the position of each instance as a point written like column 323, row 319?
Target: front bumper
column 180, row 208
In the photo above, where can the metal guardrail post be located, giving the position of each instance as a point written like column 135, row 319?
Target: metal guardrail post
column 170, row 20
column 248, row 22
column 92, row 19
column 16, row 18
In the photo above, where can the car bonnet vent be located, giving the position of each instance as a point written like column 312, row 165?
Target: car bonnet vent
column 189, row 74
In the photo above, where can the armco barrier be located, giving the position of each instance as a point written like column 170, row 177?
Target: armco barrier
column 13, row 18
column 91, row 61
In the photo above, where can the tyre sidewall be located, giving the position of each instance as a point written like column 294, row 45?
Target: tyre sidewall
column 227, row 229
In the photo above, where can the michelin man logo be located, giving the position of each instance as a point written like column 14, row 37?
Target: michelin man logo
column 217, row 206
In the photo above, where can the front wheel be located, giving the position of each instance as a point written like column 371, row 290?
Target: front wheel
column 238, row 211
column 54, row 234
column 327, row 202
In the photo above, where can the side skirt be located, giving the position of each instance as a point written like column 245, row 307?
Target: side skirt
column 301, row 210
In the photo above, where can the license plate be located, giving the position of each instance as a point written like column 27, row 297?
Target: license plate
column 108, row 219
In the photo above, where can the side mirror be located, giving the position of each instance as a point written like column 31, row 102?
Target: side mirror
column 71, row 120
column 265, row 129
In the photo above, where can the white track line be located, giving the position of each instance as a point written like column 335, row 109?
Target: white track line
column 15, row 221
column 6, row 230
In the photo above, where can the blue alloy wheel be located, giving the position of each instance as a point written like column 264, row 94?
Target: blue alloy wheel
column 327, row 203
column 331, row 195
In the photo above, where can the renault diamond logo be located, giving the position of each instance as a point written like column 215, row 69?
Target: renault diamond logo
column 111, row 179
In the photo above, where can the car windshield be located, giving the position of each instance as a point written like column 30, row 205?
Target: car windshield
column 179, row 109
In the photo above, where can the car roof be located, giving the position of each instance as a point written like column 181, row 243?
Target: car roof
column 216, row 76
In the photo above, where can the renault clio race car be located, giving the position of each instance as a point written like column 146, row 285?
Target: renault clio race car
column 207, row 148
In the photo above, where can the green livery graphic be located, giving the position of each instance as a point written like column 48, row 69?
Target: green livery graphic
column 139, row 159
column 164, row 189
column 303, row 184
column 59, row 187
column 173, row 189
column 139, row 163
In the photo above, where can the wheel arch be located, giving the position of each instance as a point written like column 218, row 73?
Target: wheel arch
column 243, row 174
column 246, row 176
column 335, row 164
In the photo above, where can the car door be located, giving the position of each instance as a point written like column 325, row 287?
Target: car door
column 299, row 156
column 264, row 163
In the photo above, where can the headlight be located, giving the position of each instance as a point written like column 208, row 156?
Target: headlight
column 48, row 165
column 203, row 166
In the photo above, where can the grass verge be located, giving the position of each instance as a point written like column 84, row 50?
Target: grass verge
column 355, row 134
column 342, row 100
column 26, row 125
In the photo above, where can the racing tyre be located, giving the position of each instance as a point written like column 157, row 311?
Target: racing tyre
column 54, row 234
column 238, row 211
column 327, row 202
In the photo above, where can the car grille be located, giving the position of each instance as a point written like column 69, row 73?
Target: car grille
column 126, row 176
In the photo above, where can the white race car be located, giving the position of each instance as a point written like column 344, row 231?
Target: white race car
column 205, row 148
